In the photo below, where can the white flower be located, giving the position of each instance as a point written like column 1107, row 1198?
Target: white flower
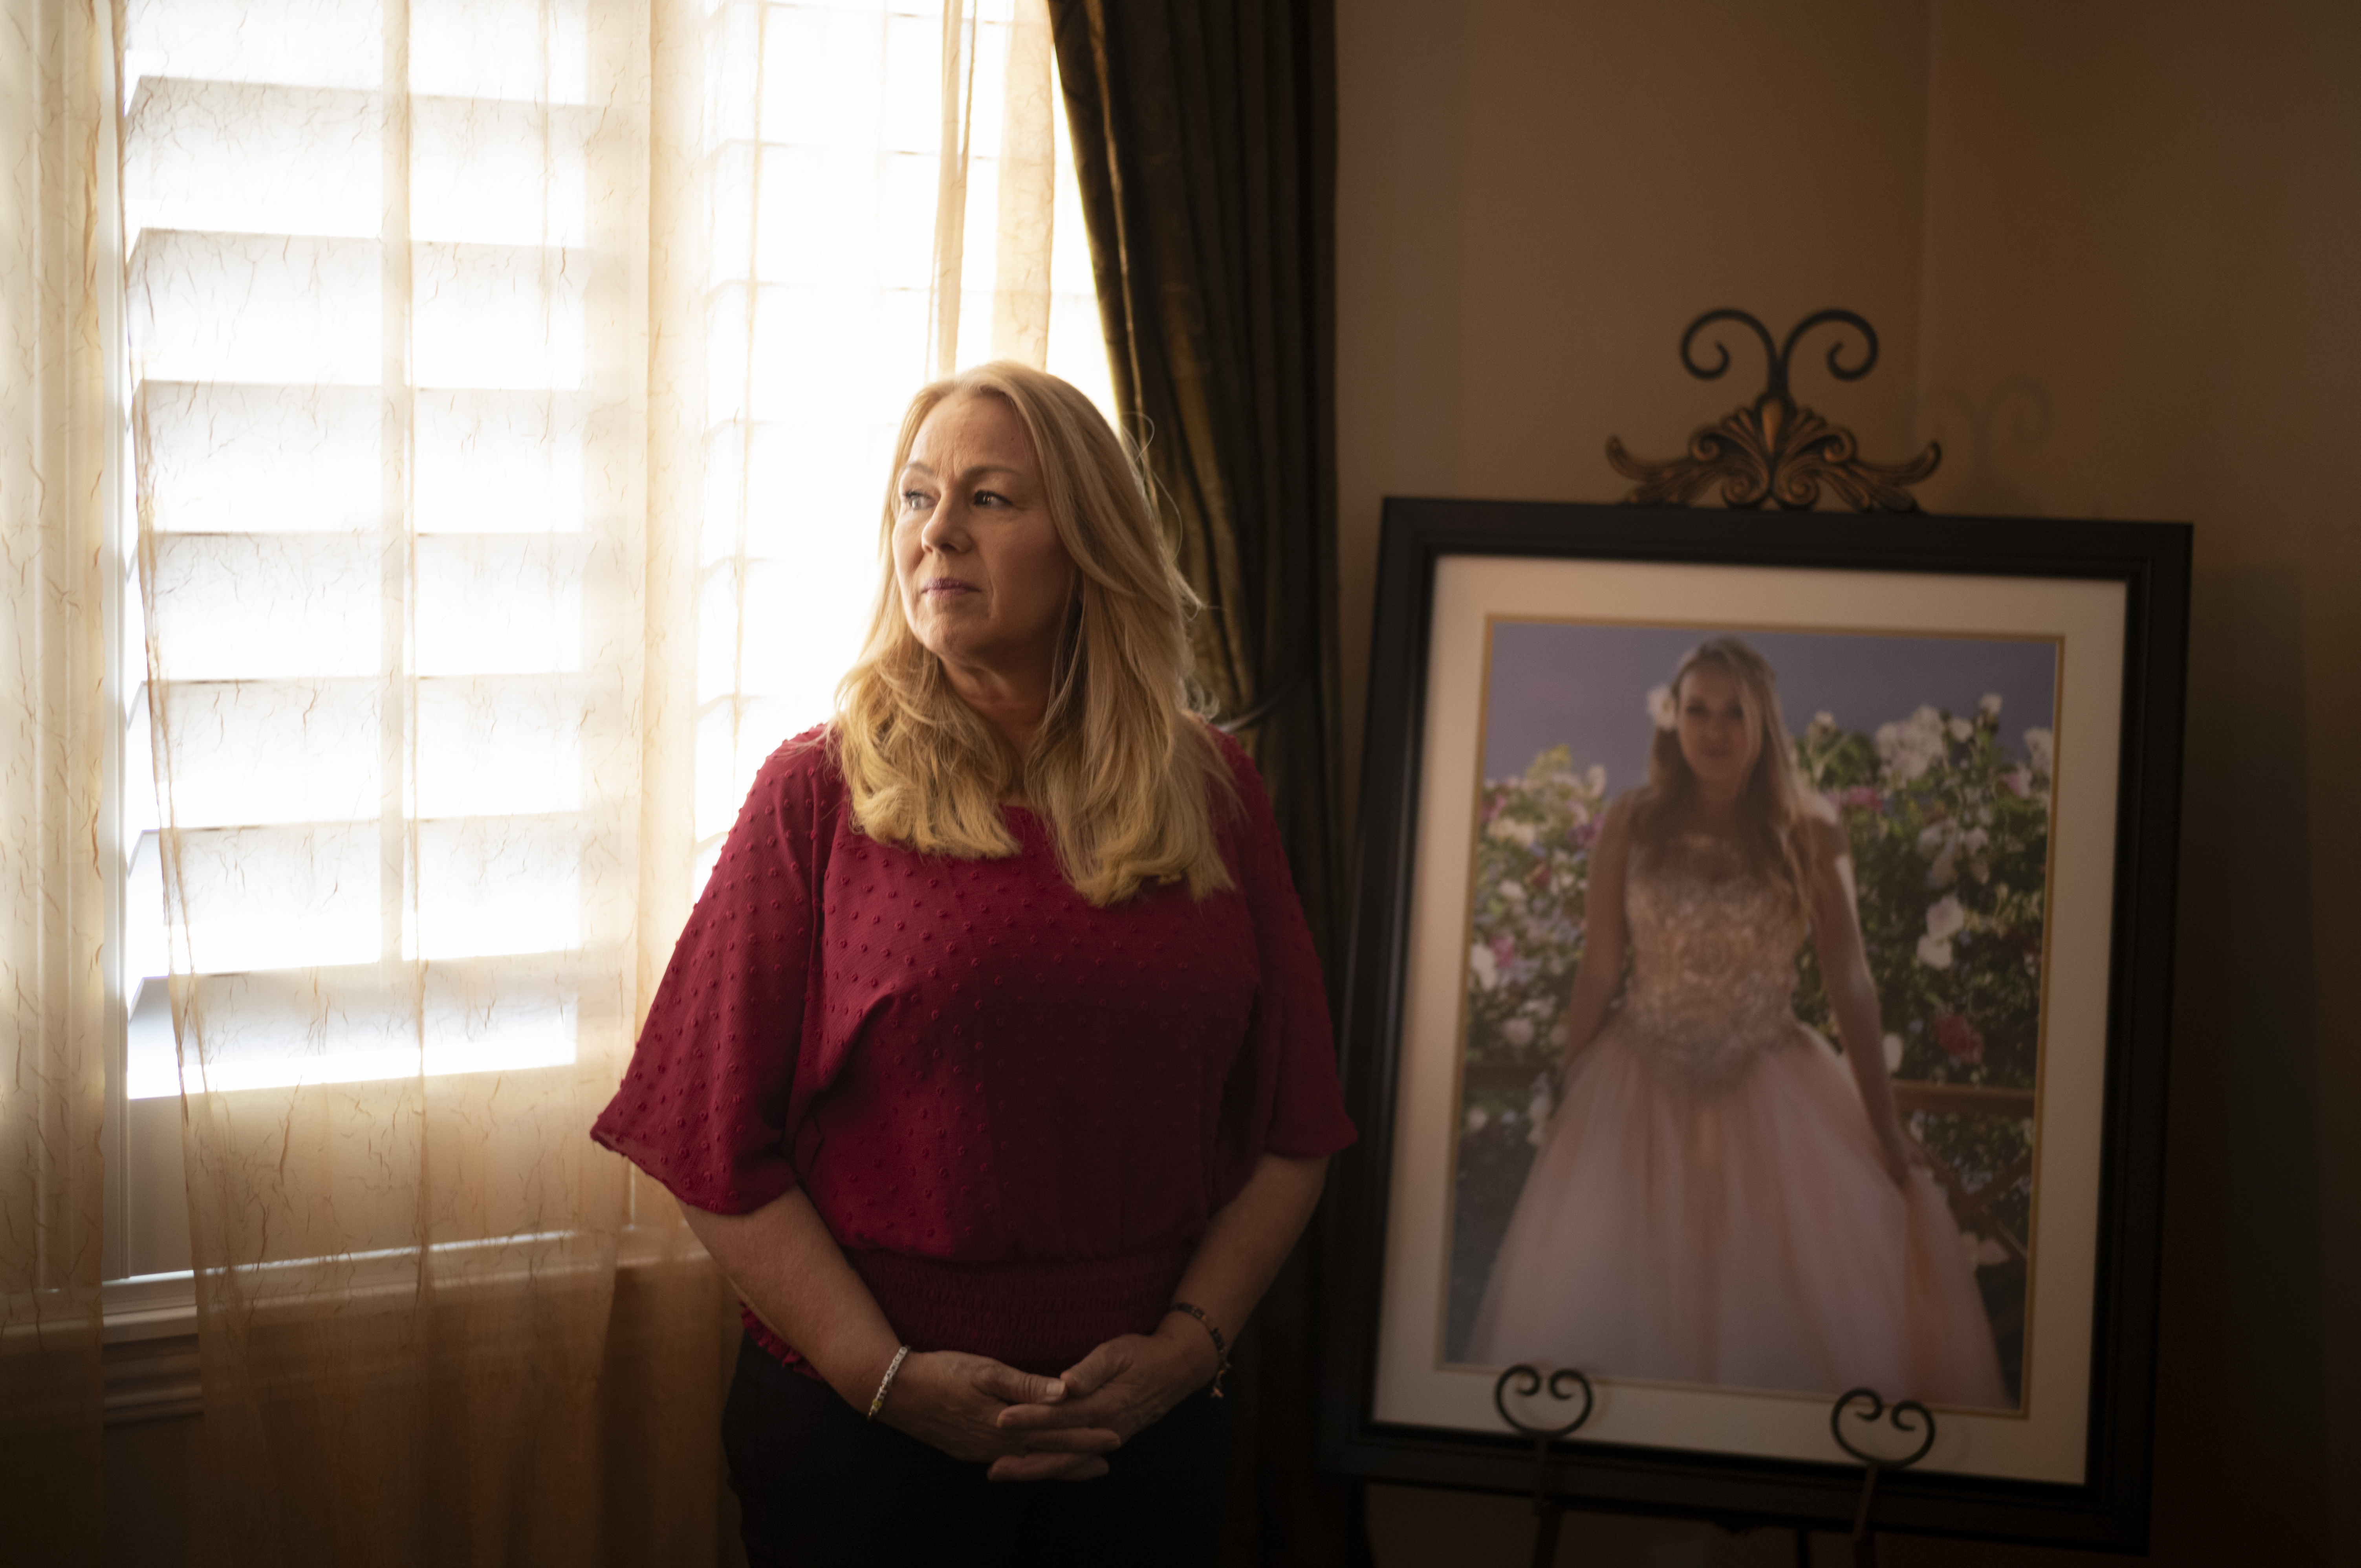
column 1989, row 705
column 1935, row 837
column 1595, row 780
column 1908, row 748
column 1518, row 1032
column 1893, row 1043
column 1512, row 890
column 1976, row 840
column 1559, row 1032
column 1946, row 919
column 2041, row 746
column 1961, row 728
column 1486, row 967
column 1934, row 952
column 1476, row 1119
column 1824, row 720
column 1660, row 707
column 1508, row 830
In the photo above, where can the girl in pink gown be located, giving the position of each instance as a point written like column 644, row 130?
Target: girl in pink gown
column 1717, row 1200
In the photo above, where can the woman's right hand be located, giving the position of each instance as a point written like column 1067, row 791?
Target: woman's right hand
column 952, row 1401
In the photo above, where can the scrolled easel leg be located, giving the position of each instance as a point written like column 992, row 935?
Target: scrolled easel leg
column 1545, row 1535
column 1561, row 1385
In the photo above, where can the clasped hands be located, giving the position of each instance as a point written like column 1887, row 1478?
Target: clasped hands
column 1029, row 1428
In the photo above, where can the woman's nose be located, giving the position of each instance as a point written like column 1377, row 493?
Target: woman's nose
column 944, row 530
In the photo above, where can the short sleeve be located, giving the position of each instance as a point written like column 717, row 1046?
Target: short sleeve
column 1301, row 1102
column 704, row 1107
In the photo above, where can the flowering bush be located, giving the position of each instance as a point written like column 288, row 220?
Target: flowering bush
column 1950, row 830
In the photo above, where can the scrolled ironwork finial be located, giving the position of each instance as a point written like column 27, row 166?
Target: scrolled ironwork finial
column 1562, row 1384
column 1773, row 449
column 1892, row 1415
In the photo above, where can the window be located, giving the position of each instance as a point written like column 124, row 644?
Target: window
column 391, row 430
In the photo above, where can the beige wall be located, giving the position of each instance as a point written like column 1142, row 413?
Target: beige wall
column 2111, row 251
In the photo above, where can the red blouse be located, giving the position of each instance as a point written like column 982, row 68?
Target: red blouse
column 1015, row 1112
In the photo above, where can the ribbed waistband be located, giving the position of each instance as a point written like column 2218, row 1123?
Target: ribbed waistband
column 1038, row 1316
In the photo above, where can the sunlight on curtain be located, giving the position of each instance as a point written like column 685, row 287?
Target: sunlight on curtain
column 511, row 386
column 387, row 316
column 891, row 198
column 54, row 748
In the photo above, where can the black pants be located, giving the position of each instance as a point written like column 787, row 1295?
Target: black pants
column 818, row 1486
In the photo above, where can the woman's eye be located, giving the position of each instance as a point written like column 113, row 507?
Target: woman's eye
column 913, row 499
column 989, row 498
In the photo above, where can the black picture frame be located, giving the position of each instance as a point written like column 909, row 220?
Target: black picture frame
column 2110, row 1508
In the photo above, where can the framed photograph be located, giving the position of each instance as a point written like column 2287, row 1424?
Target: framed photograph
column 1759, row 990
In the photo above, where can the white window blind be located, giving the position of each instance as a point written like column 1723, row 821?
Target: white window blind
column 389, row 323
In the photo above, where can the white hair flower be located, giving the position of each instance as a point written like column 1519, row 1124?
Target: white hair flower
column 1660, row 707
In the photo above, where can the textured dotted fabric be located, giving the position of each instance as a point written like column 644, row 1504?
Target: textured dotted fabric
column 1015, row 1112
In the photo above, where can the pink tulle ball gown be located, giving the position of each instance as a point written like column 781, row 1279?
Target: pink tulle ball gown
column 1708, row 1205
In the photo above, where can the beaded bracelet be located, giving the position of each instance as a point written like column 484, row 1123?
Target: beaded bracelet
column 1220, row 1346
column 892, row 1367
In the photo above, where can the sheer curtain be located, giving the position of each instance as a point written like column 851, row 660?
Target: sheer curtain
column 54, row 729
column 511, row 382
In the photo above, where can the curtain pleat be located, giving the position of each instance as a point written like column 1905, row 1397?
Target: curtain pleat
column 54, row 744
column 1205, row 147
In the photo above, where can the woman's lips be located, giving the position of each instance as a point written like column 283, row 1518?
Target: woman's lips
column 946, row 585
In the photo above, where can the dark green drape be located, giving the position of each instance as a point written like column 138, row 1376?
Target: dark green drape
column 1204, row 135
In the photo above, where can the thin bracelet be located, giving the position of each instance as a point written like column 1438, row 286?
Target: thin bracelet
column 1220, row 1346
column 892, row 1367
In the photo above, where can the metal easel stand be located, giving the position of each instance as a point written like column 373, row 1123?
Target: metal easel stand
column 1562, row 1384
column 1548, row 1513
column 1864, row 1539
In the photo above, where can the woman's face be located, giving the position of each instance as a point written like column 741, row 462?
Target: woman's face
column 1718, row 735
column 984, row 579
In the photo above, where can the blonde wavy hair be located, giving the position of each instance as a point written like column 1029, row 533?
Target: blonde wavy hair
column 1123, row 771
column 1771, row 835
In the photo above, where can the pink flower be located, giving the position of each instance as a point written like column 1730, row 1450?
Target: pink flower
column 1585, row 835
column 1860, row 797
column 1504, row 949
column 1541, row 875
column 2019, row 782
column 1958, row 1039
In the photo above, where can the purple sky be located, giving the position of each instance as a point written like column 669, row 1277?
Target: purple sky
column 1587, row 686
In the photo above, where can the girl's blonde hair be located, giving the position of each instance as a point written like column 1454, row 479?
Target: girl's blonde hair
column 1122, row 771
column 1771, row 826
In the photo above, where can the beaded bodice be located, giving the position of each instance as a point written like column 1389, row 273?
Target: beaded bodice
column 1713, row 962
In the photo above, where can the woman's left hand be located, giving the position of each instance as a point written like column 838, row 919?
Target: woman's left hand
column 1124, row 1386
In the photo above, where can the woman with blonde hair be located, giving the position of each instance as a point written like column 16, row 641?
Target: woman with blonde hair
column 993, row 1067
column 1717, row 1200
